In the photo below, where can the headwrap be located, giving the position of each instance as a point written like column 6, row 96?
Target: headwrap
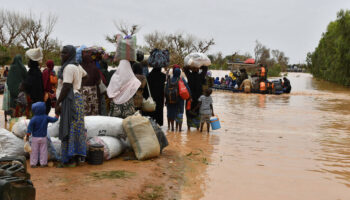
column 123, row 84
column 176, row 75
column 70, row 60
column 137, row 68
column 50, row 64
column 15, row 77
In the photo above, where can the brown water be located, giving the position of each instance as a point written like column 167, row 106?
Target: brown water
column 290, row 147
column 294, row 146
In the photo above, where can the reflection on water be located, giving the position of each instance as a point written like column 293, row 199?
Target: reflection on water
column 292, row 146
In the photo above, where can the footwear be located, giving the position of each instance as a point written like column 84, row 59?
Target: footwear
column 33, row 166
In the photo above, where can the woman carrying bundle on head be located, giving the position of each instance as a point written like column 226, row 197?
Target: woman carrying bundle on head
column 123, row 84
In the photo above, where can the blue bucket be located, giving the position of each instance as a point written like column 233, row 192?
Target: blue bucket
column 215, row 123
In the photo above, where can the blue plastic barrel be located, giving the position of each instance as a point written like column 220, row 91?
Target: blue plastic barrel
column 215, row 123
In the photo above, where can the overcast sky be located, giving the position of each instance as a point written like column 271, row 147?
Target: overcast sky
column 292, row 26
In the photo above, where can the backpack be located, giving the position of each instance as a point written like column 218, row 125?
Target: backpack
column 172, row 93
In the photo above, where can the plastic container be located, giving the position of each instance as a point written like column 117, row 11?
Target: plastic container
column 96, row 152
column 215, row 123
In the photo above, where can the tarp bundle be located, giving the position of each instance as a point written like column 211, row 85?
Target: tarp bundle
column 197, row 60
column 159, row 58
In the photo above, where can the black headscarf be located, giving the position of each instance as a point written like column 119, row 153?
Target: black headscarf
column 70, row 60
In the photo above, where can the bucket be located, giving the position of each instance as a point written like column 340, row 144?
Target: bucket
column 215, row 123
column 96, row 152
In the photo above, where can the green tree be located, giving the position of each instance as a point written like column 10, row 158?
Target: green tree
column 331, row 58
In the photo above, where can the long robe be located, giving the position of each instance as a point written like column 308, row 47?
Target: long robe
column 16, row 75
column 156, row 80
column 34, row 84
column 195, row 82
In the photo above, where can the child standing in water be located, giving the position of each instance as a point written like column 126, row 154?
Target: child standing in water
column 206, row 108
column 38, row 129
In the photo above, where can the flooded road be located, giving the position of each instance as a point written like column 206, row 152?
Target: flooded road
column 288, row 147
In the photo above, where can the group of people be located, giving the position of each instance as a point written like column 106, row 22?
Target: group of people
column 258, row 83
column 84, row 86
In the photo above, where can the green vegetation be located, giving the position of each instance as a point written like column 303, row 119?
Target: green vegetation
column 4, row 56
column 331, row 59
column 152, row 192
column 274, row 71
column 117, row 174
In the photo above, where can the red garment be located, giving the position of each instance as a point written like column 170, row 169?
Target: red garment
column 46, row 76
column 46, row 80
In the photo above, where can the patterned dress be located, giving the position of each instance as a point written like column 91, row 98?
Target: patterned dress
column 76, row 143
column 91, row 101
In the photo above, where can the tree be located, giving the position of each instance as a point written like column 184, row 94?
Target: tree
column 331, row 58
column 11, row 26
column 123, row 28
column 178, row 44
column 4, row 56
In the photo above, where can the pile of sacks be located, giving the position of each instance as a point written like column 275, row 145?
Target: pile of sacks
column 138, row 133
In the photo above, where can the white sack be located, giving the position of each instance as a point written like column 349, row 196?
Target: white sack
column 104, row 126
column 20, row 127
column 112, row 146
column 53, row 129
column 10, row 145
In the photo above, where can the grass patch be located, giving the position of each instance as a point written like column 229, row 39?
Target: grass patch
column 116, row 174
column 152, row 192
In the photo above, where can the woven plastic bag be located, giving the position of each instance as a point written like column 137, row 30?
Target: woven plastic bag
column 142, row 137
column 126, row 48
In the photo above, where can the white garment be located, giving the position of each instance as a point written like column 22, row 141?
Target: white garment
column 123, row 84
column 71, row 74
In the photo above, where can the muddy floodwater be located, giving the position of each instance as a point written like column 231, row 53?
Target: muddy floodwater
column 294, row 146
column 275, row 147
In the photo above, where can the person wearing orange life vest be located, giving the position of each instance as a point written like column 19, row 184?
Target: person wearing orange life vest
column 262, row 72
column 263, row 87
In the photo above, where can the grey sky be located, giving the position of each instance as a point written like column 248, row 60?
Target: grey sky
column 294, row 27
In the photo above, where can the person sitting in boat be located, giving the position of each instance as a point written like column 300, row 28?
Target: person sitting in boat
column 233, row 80
column 246, row 86
column 217, row 81
column 263, row 87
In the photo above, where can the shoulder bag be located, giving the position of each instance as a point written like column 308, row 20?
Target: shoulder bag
column 148, row 105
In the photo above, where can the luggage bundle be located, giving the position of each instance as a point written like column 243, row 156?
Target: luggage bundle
column 197, row 60
column 140, row 133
